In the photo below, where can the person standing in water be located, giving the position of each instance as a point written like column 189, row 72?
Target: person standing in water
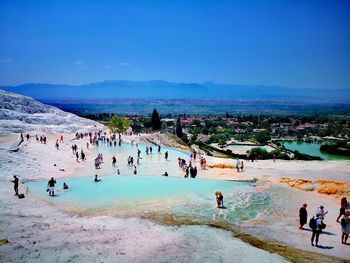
column 158, row 148
column 302, row 216
column 135, row 170
column 15, row 184
column 51, row 186
column 166, row 155
column 219, row 199
column 114, row 161
column 96, row 179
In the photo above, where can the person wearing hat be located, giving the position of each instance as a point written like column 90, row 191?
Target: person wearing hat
column 321, row 211
column 302, row 216
column 345, row 226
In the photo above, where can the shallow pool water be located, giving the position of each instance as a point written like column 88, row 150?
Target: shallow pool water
column 150, row 164
column 245, row 147
column 131, row 150
column 191, row 198
column 312, row 149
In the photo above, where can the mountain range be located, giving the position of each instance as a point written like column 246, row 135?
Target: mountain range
column 159, row 89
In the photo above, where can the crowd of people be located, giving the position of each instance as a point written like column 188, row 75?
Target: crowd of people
column 98, row 161
column 42, row 138
column 317, row 224
column 189, row 169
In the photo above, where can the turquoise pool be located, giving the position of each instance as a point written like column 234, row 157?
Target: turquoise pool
column 138, row 194
column 245, row 147
column 312, row 149
column 150, row 164
column 132, row 150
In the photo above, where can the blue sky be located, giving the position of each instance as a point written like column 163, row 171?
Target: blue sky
column 301, row 44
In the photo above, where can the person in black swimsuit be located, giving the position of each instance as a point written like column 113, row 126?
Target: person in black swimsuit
column 15, row 184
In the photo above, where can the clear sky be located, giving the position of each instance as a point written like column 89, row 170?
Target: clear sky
column 301, row 44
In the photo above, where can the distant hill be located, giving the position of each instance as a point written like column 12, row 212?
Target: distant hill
column 158, row 89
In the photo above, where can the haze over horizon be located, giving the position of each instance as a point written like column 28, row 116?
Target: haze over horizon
column 292, row 44
column 161, row 80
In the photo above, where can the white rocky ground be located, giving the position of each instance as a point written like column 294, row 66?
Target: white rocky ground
column 39, row 232
column 34, row 231
column 21, row 114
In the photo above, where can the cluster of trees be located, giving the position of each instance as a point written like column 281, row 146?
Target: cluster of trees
column 220, row 132
column 118, row 125
column 338, row 149
column 263, row 154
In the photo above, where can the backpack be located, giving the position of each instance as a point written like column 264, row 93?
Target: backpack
column 20, row 196
column 312, row 223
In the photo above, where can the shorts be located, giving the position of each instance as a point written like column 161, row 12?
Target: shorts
column 52, row 188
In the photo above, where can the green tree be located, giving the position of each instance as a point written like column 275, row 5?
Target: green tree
column 147, row 123
column 196, row 123
column 178, row 130
column 155, row 120
column 136, row 126
column 118, row 125
column 263, row 137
